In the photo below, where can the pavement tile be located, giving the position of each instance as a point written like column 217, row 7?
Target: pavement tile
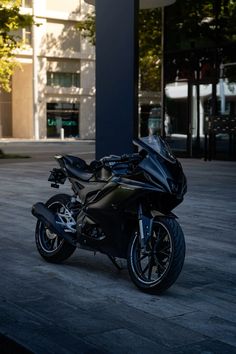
column 149, row 325
column 87, row 306
column 207, row 347
column 208, row 324
column 39, row 335
column 122, row 341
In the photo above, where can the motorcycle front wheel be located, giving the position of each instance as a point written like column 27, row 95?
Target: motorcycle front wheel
column 51, row 246
column 155, row 268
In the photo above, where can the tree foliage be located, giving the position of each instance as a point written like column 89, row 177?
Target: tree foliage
column 88, row 27
column 200, row 34
column 10, row 20
column 192, row 29
column 149, row 45
column 150, row 51
column 201, row 23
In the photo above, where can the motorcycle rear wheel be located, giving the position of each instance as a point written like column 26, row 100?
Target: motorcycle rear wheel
column 50, row 246
column 155, row 269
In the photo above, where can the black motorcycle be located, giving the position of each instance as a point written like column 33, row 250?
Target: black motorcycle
column 121, row 206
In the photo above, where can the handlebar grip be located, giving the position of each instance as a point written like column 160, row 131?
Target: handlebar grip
column 122, row 158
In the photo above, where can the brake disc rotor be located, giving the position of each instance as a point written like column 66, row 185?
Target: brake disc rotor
column 50, row 235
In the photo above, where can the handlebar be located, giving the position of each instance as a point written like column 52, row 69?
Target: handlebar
column 109, row 161
column 123, row 158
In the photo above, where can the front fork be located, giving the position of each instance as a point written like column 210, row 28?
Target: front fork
column 145, row 228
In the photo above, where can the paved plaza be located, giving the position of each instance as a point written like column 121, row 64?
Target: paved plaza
column 86, row 305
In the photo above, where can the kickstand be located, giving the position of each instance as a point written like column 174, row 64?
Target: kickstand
column 113, row 259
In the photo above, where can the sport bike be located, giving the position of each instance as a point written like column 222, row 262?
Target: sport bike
column 122, row 207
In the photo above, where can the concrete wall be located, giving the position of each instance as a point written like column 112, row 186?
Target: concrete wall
column 58, row 47
column 5, row 114
column 22, row 107
column 87, row 100
column 70, row 5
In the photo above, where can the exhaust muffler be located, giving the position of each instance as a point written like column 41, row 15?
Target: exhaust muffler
column 42, row 213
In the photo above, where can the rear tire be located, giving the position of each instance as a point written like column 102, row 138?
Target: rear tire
column 156, row 269
column 50, row 246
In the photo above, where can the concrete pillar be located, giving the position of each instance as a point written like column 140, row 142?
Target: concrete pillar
column 117, row 73
column 116, row 76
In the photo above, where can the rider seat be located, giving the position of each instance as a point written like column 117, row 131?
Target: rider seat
column 78, row 168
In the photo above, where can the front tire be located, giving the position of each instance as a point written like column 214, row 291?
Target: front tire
column 50, row 246
column 155, row 269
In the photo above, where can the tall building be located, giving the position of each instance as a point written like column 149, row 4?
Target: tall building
column 55, row 86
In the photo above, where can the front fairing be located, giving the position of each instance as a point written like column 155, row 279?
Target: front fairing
column 161, row 166
column 156, row 145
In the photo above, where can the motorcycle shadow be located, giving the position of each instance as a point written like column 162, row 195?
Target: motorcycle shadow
column 98, row 264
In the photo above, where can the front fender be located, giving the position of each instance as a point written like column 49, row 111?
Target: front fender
column 157, row 214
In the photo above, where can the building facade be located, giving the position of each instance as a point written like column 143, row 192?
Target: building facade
column 55, row 86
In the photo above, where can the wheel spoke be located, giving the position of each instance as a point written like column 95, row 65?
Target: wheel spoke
column 52, row 243
column 150, row 268
column 160, row 265
column 48, row 243
column 142, row 257
column 167, row 254
column 145, row 269
column 160, row 237
column 165, row 250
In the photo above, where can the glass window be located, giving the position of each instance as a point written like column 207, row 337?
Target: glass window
column 27, row 35
column 63, row 79
column 76, row 80
column 23, row 35
column 62, row 115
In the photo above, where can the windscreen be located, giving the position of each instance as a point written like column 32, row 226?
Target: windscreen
column 156, row 144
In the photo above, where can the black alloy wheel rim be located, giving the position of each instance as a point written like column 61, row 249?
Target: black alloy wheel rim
column 48, row 240
column 151, row 266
